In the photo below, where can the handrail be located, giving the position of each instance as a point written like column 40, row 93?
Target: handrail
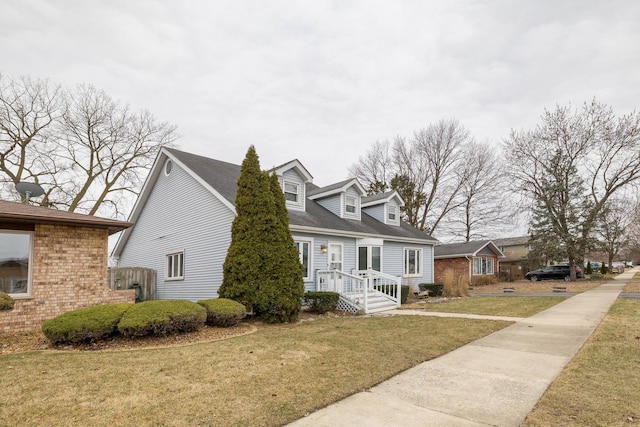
column 358, row 286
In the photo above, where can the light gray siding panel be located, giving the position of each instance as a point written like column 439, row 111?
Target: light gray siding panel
column 393, row 262
column 181, row 215
column 376, row 211
column 292, row 176
column 332, row 204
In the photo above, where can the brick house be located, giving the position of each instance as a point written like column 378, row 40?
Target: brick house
column 515, row 249
column 53, row 261
column 471, row 259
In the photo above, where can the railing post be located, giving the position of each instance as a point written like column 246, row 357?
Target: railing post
column 365, row 289
column 399, row 291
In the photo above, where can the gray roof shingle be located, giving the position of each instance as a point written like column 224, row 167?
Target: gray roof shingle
column 451, row 250
column 223, row 177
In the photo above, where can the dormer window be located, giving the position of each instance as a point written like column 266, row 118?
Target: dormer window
column 291, row 192
column 392, row 213
column 350, row 204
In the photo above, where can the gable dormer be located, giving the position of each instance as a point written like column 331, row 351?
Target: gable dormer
column 385, row 207
column 292, row 177
column 343, row 199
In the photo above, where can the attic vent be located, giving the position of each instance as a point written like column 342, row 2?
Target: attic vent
column 167, row 167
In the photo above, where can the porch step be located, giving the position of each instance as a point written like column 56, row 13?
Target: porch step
column 378, row 303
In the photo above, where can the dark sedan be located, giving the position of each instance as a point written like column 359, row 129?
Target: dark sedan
column 553, row 272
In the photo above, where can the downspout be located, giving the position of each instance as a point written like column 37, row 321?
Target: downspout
column 470, row 267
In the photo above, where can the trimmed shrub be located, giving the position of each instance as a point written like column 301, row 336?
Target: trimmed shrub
column 223, row 312
column 484, row 280
column 589, row 269
column 162, row 318
column 603, row 269
column 435, row 289
column 6, row 302
column 85, row 324
column 389, row 290
column 321, row 302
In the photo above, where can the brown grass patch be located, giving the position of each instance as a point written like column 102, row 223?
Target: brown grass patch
column 544, row 286
column 599, row 387
column 267, row 378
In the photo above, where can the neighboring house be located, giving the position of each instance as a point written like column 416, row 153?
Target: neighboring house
column 52, row 262
column 515, row 250
column 470, row 259
column 346, row 241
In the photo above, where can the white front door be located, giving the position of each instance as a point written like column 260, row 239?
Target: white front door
column 335, row 256
column 334, row 262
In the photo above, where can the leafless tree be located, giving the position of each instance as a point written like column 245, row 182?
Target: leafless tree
column 484, row 209
column 86, row 150
column 570, row 166
column 611, row 229
column 425, row 170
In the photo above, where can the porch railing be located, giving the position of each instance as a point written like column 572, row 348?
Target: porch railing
column 360, row 286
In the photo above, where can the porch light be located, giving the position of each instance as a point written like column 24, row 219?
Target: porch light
column 323, row 249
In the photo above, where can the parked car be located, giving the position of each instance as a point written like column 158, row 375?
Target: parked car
column 595, row 266
column 553, row 272
column 628, row 264
column 617, row 267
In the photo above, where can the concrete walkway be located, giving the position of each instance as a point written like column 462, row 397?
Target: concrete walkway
column 494, row 381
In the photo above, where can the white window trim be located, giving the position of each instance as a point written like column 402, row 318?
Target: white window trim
column 329, row 244
column 166, row 266
column 346, row 214
column 370, row 255
column 298, row 195
column 405, row 262
column 296, row 239
column 28, row 294
column 397, row 213
column 481, row 259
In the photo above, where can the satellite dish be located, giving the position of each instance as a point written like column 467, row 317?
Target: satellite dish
column 29, row 190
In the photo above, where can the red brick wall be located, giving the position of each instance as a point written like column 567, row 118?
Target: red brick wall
column 69, row 271
column 459, row 265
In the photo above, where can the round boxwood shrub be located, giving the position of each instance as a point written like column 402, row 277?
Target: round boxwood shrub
column 85, row 324
column 223, row 312
column 6, row 302
column 162, row 318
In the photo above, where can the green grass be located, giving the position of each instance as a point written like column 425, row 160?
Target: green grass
column 268, row 378
column 495, row 306
column 599, row 387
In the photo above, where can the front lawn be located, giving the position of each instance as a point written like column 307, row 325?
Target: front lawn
column 599, row 387
column 267, row 378
column 492, row 306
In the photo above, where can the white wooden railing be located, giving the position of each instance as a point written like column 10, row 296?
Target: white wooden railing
column 360, row 286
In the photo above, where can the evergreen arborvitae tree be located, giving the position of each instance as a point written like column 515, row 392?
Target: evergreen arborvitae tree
column 244, row 269
column 589, row 269
column 281, row 291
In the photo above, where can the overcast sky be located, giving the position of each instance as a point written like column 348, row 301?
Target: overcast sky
column 320, row 81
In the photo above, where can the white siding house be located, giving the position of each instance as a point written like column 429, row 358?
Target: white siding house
column 183, row 222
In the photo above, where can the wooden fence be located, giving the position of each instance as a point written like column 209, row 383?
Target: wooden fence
column 143, row 279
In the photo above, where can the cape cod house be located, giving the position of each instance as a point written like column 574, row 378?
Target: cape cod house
column 348, row 242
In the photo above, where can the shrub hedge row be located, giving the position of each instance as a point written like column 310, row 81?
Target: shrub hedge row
column 435, row 289
column 223, row 312
column 321, row 302
column 136, row 320
column 162, row 318
column 85, row 324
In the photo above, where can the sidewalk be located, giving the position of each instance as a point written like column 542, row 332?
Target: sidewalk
column 494, row 381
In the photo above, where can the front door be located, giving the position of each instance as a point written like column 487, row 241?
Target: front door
column 334, row 262
column 369, row 257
